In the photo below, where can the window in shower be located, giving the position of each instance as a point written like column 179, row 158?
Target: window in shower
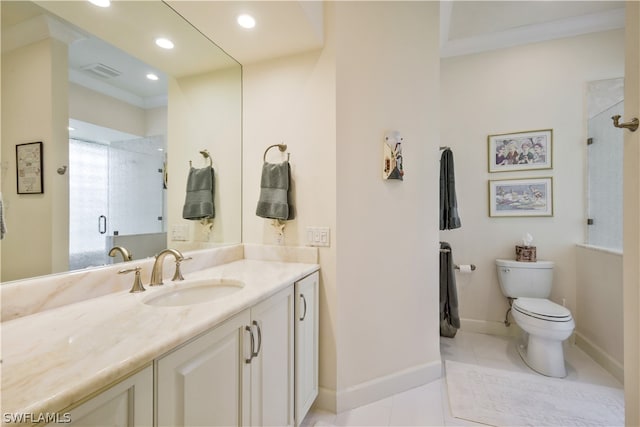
column 604, row 164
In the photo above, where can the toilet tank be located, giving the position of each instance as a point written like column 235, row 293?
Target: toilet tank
column 525, row 279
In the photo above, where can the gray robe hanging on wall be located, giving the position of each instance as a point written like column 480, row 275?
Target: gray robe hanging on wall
column 449, row 218
column 449, row 317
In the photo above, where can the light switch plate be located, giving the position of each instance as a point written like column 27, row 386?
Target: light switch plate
column 180, row 232
column 318, row 236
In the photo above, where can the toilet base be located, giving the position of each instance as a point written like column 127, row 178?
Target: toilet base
column 544, row 356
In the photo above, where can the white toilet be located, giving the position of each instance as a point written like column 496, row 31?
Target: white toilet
column 545, row 323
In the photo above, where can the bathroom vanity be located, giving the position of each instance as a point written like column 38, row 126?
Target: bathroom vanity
column 248, row 356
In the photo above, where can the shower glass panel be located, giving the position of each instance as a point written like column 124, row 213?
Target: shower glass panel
column 114, row 189
column 88, row 203
column 136, row 186
column 605, row 180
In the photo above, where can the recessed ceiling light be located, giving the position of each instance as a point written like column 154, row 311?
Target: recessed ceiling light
column 152, row 76
column 164, row 43
column 101, row 3
column 246, row 21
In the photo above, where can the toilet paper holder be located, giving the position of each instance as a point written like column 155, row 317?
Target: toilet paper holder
column 456, row 266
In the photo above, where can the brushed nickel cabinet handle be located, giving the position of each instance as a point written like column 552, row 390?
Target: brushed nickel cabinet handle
column 259, row 339
column 304, row 313
column 253, row 344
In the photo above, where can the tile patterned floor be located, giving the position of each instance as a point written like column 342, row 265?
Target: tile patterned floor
column 428, row 405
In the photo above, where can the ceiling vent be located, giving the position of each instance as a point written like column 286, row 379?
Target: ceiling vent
column 101, row 70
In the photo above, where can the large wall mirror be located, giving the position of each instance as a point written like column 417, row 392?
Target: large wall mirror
column 117, row 146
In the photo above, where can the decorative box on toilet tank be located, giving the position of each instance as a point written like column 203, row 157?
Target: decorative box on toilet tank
column 526, row 253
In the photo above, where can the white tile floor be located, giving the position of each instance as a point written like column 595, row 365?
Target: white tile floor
column 428, row 405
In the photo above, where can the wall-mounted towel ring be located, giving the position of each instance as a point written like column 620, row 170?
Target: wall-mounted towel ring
column 282, row 147
column 206, row 155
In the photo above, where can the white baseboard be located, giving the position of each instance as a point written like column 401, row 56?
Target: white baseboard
column 379, row 388
column 611, row 365
column 326, row 400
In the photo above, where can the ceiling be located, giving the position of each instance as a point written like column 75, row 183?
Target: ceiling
column 93, row 63
column 476, row 26
column 285, row 28
column 282, row 27
column 289, row 27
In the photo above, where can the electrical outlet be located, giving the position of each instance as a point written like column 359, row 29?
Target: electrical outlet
column 318, row 236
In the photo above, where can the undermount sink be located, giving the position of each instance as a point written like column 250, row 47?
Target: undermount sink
column 195, row 292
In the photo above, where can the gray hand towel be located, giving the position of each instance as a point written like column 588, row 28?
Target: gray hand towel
column 198, row 203
column 449, row 218
column 275, row 194
column 449, row 317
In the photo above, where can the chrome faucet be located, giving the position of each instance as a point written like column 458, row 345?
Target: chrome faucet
column 156, row 272
column 126, row 256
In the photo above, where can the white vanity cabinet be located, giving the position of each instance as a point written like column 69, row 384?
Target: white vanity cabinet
column 239, row 373
column 128, row 403
column 306, row 348
column 205, row 382
column 272, row 369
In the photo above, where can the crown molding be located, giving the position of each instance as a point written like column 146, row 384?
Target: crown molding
column 570, row 27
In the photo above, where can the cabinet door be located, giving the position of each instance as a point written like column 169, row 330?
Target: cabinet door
column 272, row 369
column 306, row 353
column 128, row 403
column 205, row 382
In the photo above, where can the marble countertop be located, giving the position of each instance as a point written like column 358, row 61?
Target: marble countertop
column 55, row 358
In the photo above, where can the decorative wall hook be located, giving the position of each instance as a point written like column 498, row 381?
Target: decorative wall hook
column 632, row 125
column 206, row 227
column 392, row 167
column 62, row 170
column 279, row 225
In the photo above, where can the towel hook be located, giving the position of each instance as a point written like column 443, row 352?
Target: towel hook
column 206, row 155
column 632, row 125
column 282, row 147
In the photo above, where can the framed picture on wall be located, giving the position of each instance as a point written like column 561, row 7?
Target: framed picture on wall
column 521, row 197
column 520, row 151
column 29, row 168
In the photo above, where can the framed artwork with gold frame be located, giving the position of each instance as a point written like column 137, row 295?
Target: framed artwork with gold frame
column 520, row 151
column 521, row 197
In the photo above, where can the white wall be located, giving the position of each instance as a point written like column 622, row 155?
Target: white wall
column 631, row 264
column 598, row 314
column 535, row 86
column 204, row 112
column 34, row 97
column 387, row 78
column 93, row 107
column 379, row 292
column 292, row 100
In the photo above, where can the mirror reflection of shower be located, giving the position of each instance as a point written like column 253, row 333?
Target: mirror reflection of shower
column 116, row 192
column 117, row 154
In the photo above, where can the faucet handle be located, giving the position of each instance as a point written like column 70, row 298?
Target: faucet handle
column 137, row 282
column 178, row 274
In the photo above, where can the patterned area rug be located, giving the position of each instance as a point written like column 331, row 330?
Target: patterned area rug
column 504, row 398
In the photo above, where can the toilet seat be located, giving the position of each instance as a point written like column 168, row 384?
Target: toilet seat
column 543, row 309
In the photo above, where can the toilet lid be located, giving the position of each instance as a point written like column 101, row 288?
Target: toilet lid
column 543, row 309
